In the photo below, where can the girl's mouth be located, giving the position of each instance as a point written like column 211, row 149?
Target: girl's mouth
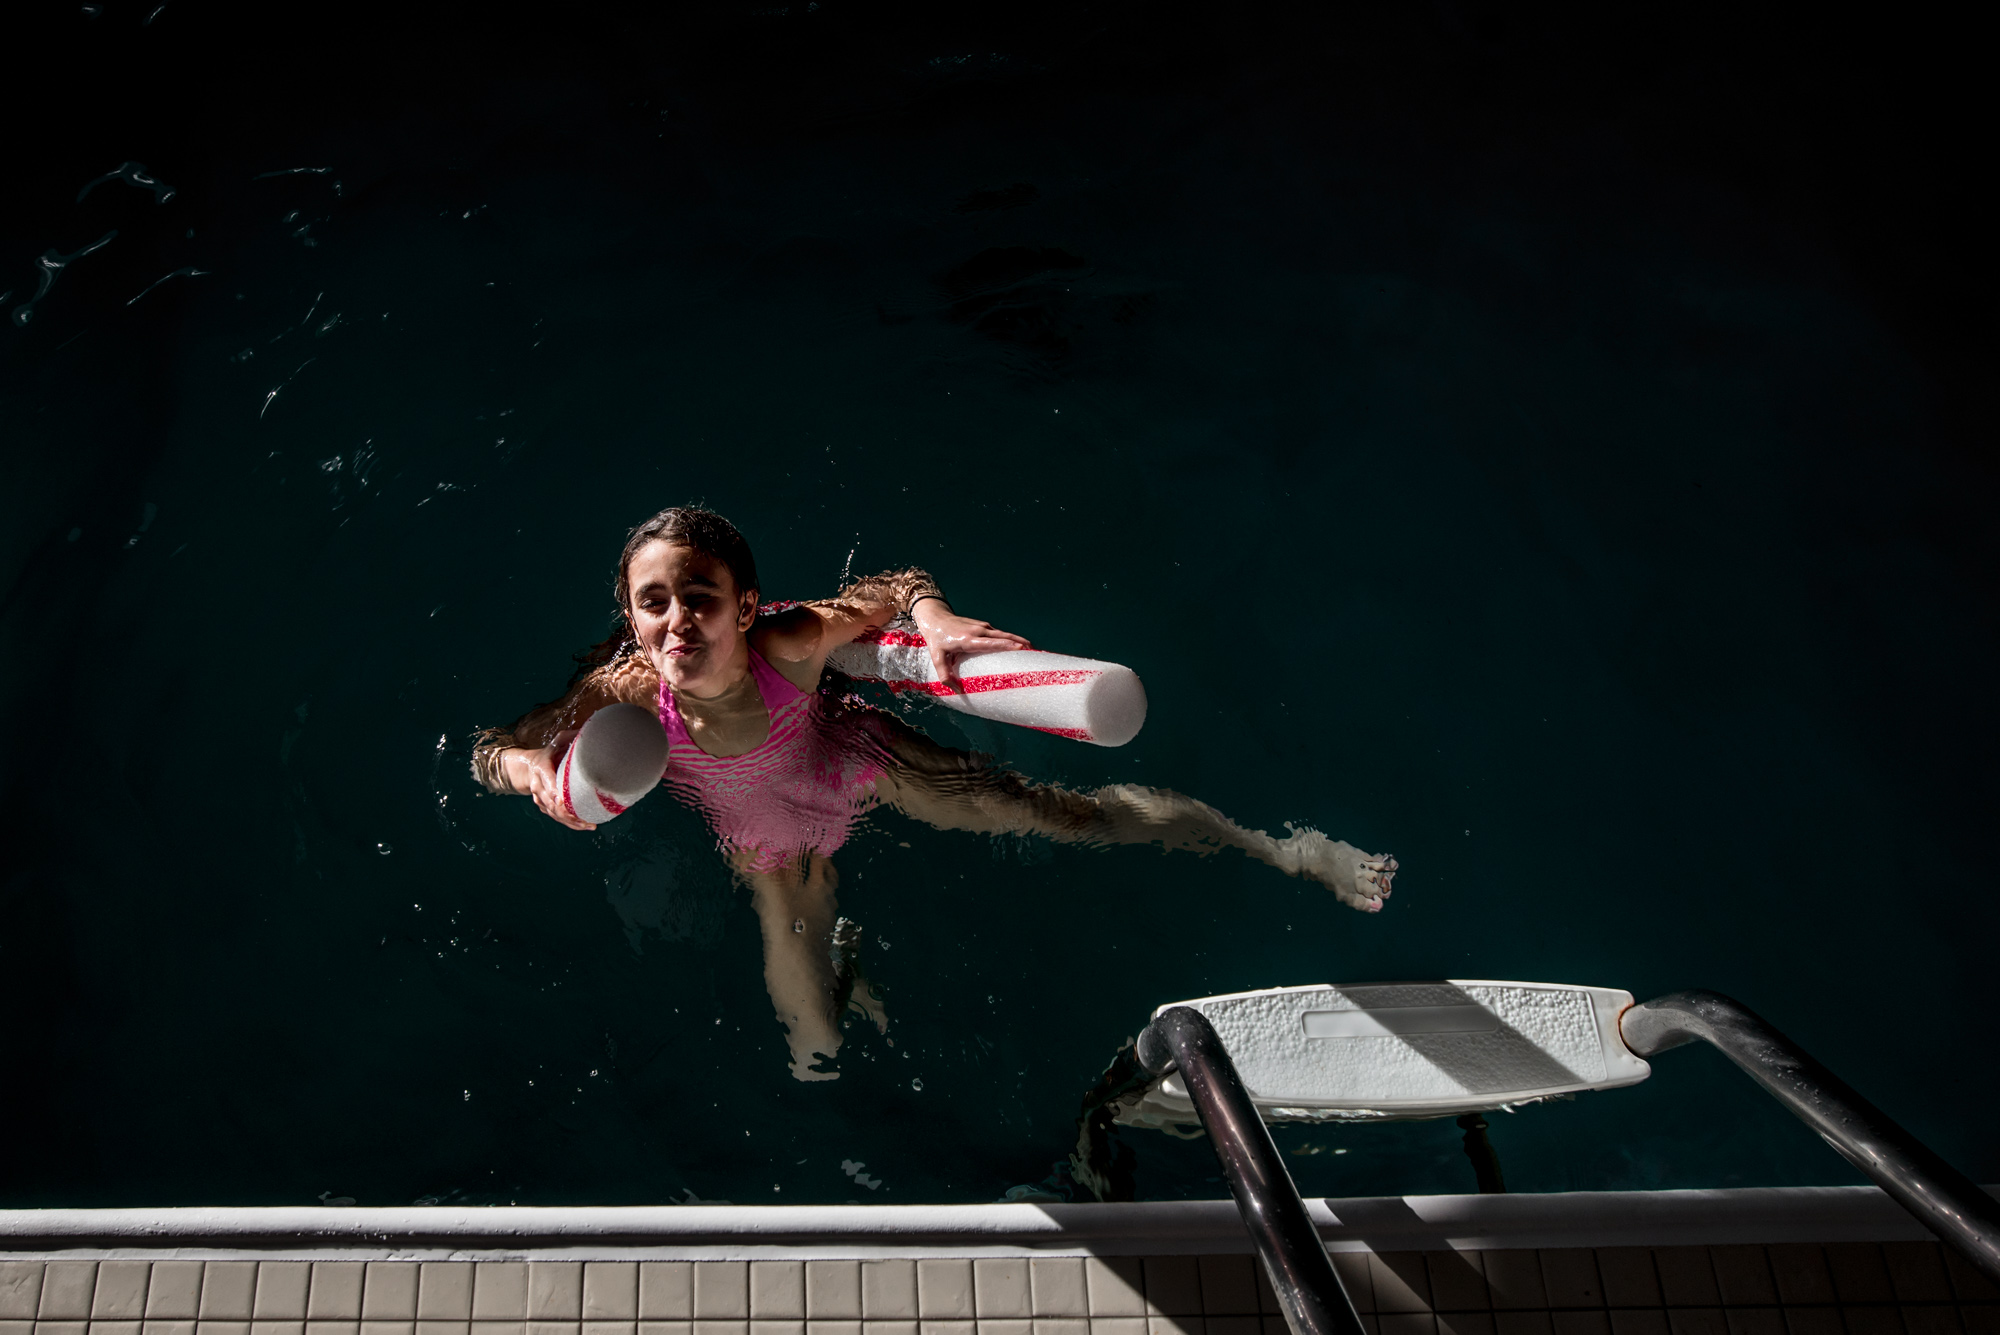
column 682, row 650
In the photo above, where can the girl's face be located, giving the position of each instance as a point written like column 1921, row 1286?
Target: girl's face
column 690, row 618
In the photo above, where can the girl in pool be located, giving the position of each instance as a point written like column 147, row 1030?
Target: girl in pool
column 782, row 764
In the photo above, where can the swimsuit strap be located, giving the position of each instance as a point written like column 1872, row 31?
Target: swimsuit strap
column 772, row 688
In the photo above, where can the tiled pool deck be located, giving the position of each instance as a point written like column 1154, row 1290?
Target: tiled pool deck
column 826, row 1278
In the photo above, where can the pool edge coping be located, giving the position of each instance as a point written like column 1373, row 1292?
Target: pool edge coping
column 751, row 1232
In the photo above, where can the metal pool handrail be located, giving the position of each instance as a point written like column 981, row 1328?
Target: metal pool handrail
column 1309, row 1291
column 1943, row 1199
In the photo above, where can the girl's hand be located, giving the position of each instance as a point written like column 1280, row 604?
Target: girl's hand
column 533, row 770
column 951, row 637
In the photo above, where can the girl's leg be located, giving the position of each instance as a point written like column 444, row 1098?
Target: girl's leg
column 960, row 790
column 808, row 958
column 795, row 908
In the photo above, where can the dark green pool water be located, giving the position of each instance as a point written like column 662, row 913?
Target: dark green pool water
column 1584, row 545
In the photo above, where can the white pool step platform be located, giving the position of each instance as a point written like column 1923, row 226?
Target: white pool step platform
column 1374, row 1051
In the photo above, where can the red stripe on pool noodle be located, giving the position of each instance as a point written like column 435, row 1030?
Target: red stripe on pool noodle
column 610, row 804
column 567, row 804
column 901, row 638
column 1076, row 734
column 999, row 681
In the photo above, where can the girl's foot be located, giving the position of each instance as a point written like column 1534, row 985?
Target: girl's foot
column 1359, row 880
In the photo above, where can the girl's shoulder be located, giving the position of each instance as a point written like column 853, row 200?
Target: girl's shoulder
column 787, row 633
column 630, row 679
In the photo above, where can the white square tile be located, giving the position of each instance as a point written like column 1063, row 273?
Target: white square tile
column 278, row 1327
column 66, row 1287
column 777, row 1327
column 1000, row 1288
column 1117, row 1285
column 1069, row 1325
column 281, row 1290
column 610, row 1327
column 1057, row 1287
column 833, row 1291
column 888, row 1290
column 1234, row 1325
column 666, row 1327
column 389, row 1292
column 444, row 1292
column 334, row 1327
column 834, row 1328
column 611, row 1291
column 496, row 1326
column 1357, row 1278
column 20, row 1290
column 62, row 1327
column 777, row 1290
column 13, row 1326
column 554, row 1327
column 174, row 1292
column 1173, row 1286
column 446, row 1327
column 714, row 1327
column 666, row 1291
column 114, row 1328
column 173, row 1327
column 121, row 1291
column 336, row 1292
column 1006, row 1326
column 1400, row 1282
column 499, row 1291
column 228, row 1291
column 888, row 1328
column 721, row 1291
column 222, row 1327
column 944, row 1290
column 555, row 1291
column 388, row 1327
column 926, row 1326
column 1399, row 1323
column 1229, row 1286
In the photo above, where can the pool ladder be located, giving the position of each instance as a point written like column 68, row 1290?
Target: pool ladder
column 1181, row 1039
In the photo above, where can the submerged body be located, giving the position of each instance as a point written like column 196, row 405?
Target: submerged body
column 782, row 768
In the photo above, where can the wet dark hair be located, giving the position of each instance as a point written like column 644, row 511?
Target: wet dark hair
column 689, row 526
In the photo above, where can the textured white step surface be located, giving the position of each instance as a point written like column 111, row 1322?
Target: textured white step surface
column 1421, row 1049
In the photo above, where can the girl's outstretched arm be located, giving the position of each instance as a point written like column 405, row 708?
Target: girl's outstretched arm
column 802, row 637
column 522, row 759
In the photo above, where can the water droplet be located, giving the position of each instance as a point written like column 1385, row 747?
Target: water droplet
column 917, row 1085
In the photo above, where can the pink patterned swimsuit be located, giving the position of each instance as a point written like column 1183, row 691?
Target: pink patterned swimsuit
column 800, row 790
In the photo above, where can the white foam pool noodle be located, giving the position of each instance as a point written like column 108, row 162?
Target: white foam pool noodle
column 1091, row 701
column 615, row 760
